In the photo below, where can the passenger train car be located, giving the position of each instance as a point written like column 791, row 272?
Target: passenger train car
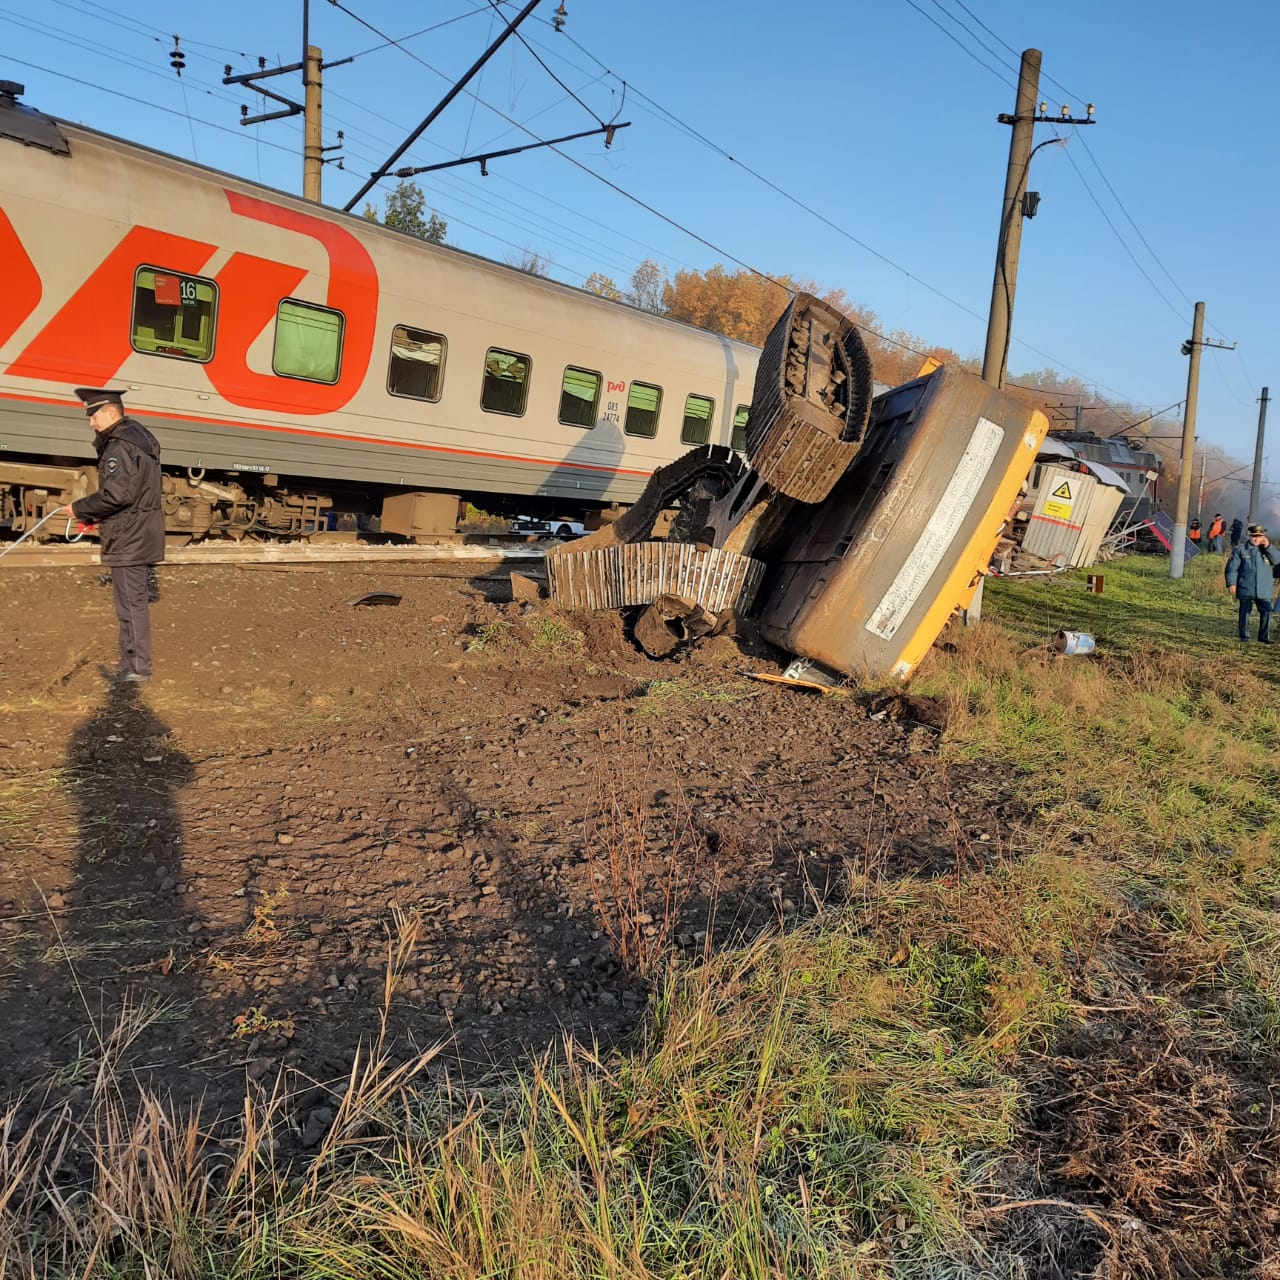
column 290, row 357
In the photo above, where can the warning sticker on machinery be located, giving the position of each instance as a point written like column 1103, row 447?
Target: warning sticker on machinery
column 1058, row 504
column 940, row 532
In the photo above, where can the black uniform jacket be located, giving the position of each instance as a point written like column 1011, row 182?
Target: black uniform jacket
column 127, row 503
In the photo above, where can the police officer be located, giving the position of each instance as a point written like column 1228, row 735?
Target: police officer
column 126, row 507
column 1250, row 580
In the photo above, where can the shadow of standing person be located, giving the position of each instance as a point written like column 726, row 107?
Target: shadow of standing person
column 116, row 938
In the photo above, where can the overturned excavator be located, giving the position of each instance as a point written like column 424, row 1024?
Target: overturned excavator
column 853, row 529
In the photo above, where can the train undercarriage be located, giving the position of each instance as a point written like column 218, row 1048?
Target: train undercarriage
column 193, row 504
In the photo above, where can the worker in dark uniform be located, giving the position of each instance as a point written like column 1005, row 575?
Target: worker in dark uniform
column 126, row 508
column 1250, row 579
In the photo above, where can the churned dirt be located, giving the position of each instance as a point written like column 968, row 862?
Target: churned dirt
column 232, row 848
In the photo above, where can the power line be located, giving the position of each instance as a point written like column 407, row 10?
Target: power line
column 1116, row 232
column 115, row 93
column 964, row 48
column 1114, row 195
column 157, row 34
column 547, row 69
column 996, row 36
column 123, row 55
column 387, row 41
column 999, row 57
column 43, row 29
column 1097, row 165
column 1177, row 404
column 779, row 190
column 598, row 177
column 800, row 204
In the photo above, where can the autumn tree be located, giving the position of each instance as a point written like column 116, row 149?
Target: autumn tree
column 602, row 286
column 648, row 287
column 530, row 261
column 738, row 304
column 406, row 210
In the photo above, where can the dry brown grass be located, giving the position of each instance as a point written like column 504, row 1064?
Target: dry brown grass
column 1183, row 1154
column 646, row 861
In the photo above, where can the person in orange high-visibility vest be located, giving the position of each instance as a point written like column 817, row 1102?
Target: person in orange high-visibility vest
column 1216, row 530
column 1193, row 532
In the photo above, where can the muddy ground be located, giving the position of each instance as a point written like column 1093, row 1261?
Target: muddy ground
column 231, row 847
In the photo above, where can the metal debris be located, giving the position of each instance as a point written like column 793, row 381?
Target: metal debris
column 670, row 622
column 1071, row 644
column 637, row 573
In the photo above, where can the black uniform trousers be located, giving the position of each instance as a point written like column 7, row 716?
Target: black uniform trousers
column 129, row 587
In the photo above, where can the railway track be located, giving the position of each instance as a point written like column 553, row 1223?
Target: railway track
column 42, row 555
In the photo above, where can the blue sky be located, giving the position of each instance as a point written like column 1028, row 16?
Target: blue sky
column 881, row 119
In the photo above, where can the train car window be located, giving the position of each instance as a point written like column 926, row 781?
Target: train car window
column 506, row 382
column 698, row 411
column 417, row 363
column 738, row 440
column 173, row 314
column 579, row 397
column 308, row 342
column 643, row 404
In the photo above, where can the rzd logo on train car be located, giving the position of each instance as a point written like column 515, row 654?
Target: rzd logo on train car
column 250, row 290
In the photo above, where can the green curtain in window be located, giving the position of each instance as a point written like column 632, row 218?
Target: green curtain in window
column 586, row 386
column 308, row 342
column 698, row 407
column 697, row 420
column 643, row 396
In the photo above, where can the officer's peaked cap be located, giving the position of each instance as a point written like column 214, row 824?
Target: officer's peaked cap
column 95, row 398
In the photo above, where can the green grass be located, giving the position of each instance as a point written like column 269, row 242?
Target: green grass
column 1157, row 738
column 542, row 635
column 676, row 694
column 1139, row 606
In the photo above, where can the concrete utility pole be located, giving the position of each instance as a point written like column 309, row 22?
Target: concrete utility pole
column 313, row 150
column 1009, row 243
column 313, row 157
column 1178, row 556
column 1256, row 484
column 1019, row 203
